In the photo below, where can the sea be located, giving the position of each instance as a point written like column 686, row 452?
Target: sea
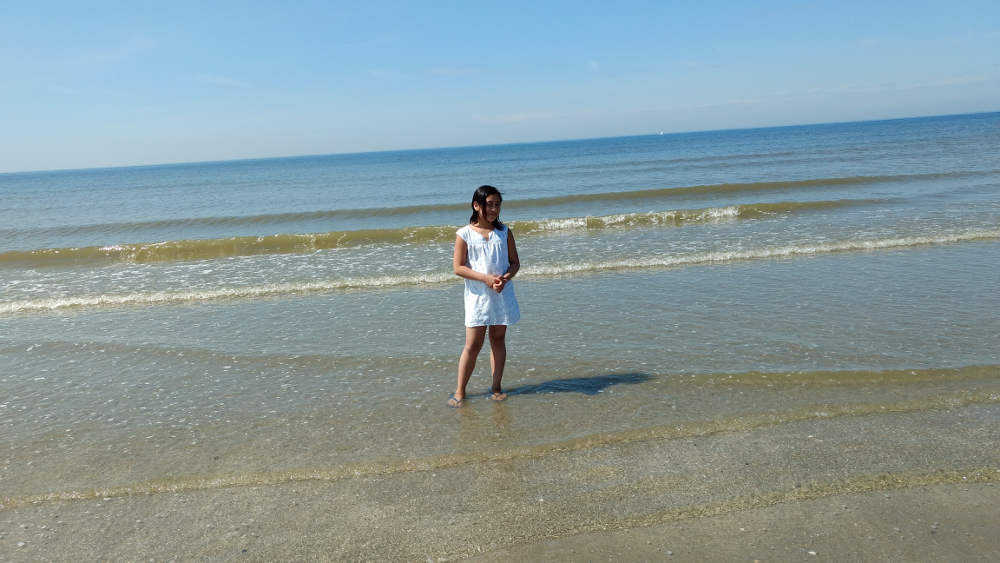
column 245, row 323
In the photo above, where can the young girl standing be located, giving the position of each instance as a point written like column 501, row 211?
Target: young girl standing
column 485, row 255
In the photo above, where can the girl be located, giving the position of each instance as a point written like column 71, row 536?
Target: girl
column 485, row 255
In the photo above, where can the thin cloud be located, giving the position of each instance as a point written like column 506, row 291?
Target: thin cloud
column 515, row 117
column 960, row 80
column 222, row 81
column 131, row 48
column 384, row 73
column 692, row 64
column 454, row 70
column 729, row 103
column 842, row 89
column 870, row 41
column 952, row 81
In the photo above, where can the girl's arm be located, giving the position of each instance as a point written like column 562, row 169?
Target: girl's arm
column 459, row 267
column 515, row 263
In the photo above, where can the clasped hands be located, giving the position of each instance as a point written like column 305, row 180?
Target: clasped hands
column 498, row 282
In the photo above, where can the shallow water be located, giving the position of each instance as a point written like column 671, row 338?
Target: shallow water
column 863, row 272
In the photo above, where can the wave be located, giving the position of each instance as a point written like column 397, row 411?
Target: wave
column 238, row 220
column 202, row 249
column 372, row 212
column 673, row 166
column 660, row 162
column 787, row 251
column 543, row 270
column 731, row 188
column 679, row 217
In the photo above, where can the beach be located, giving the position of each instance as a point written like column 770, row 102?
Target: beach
column 848, row 468
column 772, row 344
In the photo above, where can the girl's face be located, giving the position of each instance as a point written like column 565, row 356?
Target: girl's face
column 491, row 211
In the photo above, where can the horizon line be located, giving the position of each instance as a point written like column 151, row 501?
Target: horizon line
column 514, row 143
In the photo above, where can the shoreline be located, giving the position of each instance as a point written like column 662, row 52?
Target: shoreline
column 784, row 483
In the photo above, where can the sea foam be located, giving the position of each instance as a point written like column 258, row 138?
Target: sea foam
column 538, row 270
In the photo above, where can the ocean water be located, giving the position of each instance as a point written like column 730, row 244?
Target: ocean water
column 213, row 324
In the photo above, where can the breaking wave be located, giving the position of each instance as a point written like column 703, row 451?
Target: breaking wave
column 202, row 249
column 541, row 270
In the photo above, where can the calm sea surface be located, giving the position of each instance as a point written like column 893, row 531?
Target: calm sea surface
column 265, row 316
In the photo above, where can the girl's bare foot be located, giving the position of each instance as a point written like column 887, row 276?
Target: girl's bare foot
column 497, row 395
column 454, row 401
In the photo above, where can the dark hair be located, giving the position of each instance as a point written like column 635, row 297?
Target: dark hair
column 483, row 192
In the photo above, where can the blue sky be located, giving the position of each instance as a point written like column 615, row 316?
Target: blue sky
column 123, row 83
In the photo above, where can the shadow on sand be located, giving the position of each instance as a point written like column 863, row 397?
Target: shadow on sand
column 586, row 385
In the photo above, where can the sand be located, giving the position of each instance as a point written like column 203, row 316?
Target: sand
column 940, row 522
column 911, row 484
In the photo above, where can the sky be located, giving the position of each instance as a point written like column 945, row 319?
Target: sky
column 95, row 84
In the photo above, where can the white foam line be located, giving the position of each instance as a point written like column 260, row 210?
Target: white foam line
column 560, row 224
column 760, row 253
column 624, row 219
column 166, row 297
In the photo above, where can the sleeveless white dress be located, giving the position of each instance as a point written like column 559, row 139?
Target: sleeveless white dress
column 483, row 305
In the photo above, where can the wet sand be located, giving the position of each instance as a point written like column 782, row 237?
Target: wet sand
column 875, row 467
column 933, row 523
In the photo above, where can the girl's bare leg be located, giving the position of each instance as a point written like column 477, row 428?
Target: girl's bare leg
column 474, row 337
column 498, row 357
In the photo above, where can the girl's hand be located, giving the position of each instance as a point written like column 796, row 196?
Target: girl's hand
column 491, row 280
column 500, row 282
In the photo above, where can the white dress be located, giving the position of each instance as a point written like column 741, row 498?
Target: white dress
column 483, row 305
